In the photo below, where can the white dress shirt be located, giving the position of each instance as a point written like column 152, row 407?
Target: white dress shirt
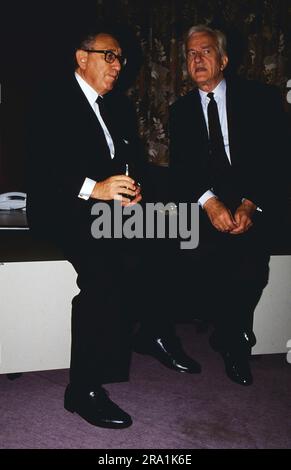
column 92, row 96
column 220, row 98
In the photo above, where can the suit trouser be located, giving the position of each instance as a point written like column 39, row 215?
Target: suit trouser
column 221, row 280
column 101, row 312
column 156, row 313
column 230, row 273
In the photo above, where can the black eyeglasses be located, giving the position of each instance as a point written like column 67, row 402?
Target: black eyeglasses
column 109, row 56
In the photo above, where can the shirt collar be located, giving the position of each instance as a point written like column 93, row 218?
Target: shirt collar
column 219, row 92
column 88, row 91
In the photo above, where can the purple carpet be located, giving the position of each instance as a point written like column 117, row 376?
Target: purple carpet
column 169, row 410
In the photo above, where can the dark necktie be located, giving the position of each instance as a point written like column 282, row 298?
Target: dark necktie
column 223, row 178
column 107, row 119
column 216, row 143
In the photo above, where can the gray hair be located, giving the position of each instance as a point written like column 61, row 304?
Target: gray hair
column 215, row 33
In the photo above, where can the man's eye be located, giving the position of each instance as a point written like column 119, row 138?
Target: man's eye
column 206, row 51
column 110, row 55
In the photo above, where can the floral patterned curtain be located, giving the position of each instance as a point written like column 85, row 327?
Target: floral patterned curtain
column 259, row 36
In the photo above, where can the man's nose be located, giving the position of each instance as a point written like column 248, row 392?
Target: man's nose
column 198, row 57
column 116, row 65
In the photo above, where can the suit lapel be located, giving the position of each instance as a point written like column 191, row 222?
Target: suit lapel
column 198, row 126
column 195, row 105
column 234, row 108
column 85, row 113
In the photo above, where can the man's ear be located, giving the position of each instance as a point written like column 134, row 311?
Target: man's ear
column 224, row 62
column 81, row 58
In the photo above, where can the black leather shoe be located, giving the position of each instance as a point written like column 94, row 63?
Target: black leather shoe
column 236, row 362
column 237, row 368
column 96, row 407
column 243, row 340
column 168, row 352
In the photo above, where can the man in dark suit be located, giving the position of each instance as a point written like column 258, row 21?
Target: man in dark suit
column 82, row 137
column 227, row 141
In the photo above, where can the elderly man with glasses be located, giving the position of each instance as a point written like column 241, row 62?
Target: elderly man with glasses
column 82, row 140
column 78, row 149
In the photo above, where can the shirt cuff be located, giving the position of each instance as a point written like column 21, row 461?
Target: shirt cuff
column 87, row 189
column 204, row 198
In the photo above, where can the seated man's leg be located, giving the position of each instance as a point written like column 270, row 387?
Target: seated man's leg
column 100, row 348
column 242, row 274
column 156, row 335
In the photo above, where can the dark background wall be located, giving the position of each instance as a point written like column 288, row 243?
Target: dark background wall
column 36, row 41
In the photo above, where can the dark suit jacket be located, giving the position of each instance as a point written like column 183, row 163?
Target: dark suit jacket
column 66, row 144
column 258, row 145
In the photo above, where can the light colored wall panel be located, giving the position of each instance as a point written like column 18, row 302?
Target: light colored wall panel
column 35, row 315
column 272, row 323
